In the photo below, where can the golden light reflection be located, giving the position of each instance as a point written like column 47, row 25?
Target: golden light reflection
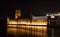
column 34, row 30
column 12, row 30
column 11, row 25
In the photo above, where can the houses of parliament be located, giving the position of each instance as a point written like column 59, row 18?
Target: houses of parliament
column 36, row 26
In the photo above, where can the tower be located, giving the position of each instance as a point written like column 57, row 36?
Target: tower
column 17, row 14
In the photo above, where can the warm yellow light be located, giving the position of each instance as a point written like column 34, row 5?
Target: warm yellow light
column 29, row 23
column 11, row 25
column 12, row 22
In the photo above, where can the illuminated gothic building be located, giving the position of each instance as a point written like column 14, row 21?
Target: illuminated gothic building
column 35, row 20
column 36, row 26
column 28, row 26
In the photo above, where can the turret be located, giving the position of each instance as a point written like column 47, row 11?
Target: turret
column 17, row 14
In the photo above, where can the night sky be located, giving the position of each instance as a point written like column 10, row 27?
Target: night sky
column 38, row 8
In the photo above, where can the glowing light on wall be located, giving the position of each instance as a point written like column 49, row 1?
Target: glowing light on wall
column 52, row 16
column 40, row 22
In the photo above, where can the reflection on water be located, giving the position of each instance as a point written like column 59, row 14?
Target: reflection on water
column 28, row 31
